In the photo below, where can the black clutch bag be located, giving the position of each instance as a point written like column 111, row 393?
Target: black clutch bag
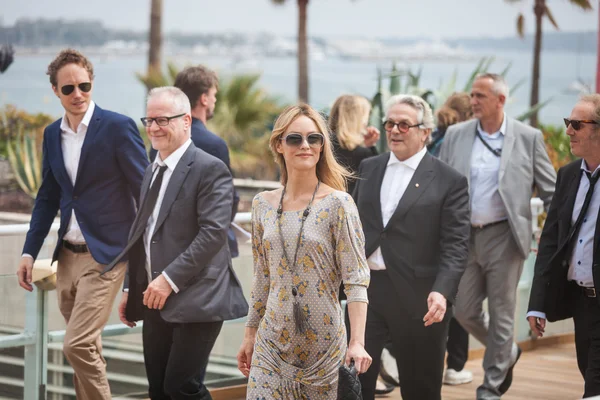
column 348, row 383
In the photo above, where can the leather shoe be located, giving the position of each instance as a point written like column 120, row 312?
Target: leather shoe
column 383, row 387
column 505, row 385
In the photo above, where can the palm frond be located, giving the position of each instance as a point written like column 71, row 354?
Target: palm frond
column 521, row 25
column 551, row 17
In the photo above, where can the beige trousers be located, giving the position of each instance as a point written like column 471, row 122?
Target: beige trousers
column 85, row 300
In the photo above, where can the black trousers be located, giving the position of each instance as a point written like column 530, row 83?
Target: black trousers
column 419, row 350
column 586, row 318
column 176, row 356
column 457, row 346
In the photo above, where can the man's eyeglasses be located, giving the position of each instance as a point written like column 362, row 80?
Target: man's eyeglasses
column 315, row 140
column 576, row 123
column 83, row 86
column 160, row 121
column 402, row 126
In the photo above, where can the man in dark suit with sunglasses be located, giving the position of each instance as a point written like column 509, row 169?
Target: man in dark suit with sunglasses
column 93, row 166
column 567, row 270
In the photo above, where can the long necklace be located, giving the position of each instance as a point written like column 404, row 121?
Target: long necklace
column 300, row 318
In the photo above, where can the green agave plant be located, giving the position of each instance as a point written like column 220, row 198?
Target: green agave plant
column 25, row 160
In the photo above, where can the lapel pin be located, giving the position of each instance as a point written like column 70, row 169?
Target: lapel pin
column 416, row 185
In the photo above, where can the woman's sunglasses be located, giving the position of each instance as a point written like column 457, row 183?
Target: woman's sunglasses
column 84, row 87
column 315, row 140
column 576, row 124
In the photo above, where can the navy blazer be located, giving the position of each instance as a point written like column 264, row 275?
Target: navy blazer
column 215, row 146
column 107, row 187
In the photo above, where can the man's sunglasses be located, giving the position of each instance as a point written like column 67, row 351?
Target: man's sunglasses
column 160, row 121
column 315, row 140
column 576, row 124
column 84, row 87
column 402, row 126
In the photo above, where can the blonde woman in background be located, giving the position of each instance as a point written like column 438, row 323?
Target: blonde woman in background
column 307, row 239
column 352, row 139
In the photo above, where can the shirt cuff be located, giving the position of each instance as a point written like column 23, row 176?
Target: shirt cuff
column 173, row 285
column 27, row 255
column 537, row 314
column 125, row 290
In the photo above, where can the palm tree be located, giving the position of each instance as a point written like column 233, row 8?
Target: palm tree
column 540, row 9
column 155, row 38
column 302, row 49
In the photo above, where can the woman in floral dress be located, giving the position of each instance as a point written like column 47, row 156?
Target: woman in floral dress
column 307, row 239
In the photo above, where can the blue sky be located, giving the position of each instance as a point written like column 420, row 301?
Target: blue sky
column 369, row 18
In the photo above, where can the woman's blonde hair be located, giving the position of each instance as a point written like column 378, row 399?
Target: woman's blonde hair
column 461, row 103
column 446, row 116
column 328, row 170
column 346, row 120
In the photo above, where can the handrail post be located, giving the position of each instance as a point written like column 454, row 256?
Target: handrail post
column 36, row 354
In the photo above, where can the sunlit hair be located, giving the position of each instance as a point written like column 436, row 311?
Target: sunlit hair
column 424, row 113
column 461, row 103
column 499, row 85
column 328, row 170
column 65, row 57
column 346, row 120
column 446, row 116
column 593, row 99
column 179, row 100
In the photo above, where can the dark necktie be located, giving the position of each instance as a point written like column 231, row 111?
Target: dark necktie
column 586, row 204
column 150, row 201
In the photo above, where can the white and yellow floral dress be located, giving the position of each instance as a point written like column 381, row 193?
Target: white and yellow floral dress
column 286, row 364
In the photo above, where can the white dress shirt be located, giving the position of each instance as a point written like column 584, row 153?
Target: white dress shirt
column 395, row 181
column 580, row 265
column 486, row 204
column 71, row 143
column 171, row 162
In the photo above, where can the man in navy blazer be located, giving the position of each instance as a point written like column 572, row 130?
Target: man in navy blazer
column 93, row 166
column 200, row 85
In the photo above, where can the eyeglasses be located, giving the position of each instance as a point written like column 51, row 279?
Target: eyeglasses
column 83, row 86
column 315, row 140
column 160, row 121
column 576, row 124
column 402, row 126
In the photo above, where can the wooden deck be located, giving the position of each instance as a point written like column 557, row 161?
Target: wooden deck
column 548, row 373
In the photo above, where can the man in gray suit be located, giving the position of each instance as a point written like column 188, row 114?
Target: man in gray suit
column 504, row 161
column 415, row 215
column 180, row 280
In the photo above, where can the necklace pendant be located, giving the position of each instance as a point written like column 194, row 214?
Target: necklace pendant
column 294, row 292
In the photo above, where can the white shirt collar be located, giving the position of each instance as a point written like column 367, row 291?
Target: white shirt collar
column 502, row 127
column 586, row 169
column 411, row 162
column 64, row 125
column 173, row 159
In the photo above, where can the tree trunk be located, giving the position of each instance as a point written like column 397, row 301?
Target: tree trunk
column 598, row 55
column 538, row 9
column 302, row 52
column 155, row 38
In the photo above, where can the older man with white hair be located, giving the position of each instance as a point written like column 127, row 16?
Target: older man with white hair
column 180, row 279
column 415, row 215
column 504, row 160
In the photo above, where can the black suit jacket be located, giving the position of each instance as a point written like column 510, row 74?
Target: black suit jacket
column 189, row 243
column 550, row 290
column 425, row 243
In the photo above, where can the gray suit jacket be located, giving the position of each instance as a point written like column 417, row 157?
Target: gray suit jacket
column 189, row 243
column 524, row 164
